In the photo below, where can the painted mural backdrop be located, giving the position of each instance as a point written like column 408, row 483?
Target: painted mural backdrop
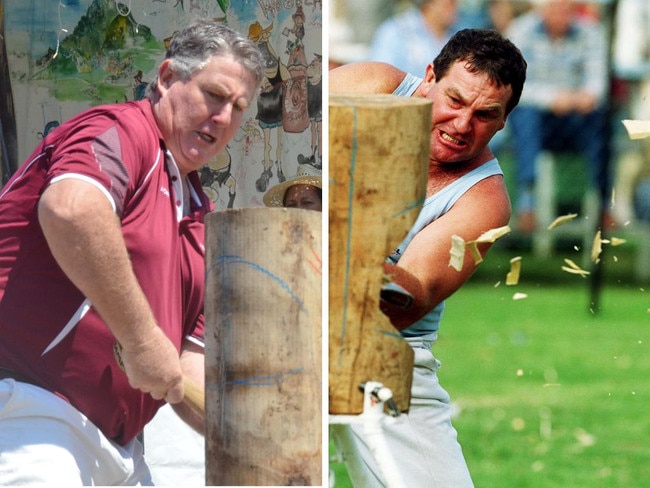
column 64, row 56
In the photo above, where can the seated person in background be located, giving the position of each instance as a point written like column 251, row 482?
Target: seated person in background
column 501, row 13
column 563, row 106
column 302, row 191
column 631, row 65
column 411, row 39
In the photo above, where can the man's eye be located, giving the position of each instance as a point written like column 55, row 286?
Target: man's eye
column 487, row 115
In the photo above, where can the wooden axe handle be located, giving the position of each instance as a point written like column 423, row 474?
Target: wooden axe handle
column 194, row 395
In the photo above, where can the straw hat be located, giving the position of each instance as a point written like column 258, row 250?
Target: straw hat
column 306, row 175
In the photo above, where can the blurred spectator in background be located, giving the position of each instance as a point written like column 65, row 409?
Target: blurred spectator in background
column 639, row 176
column 499, row 15
column 631, row 62
column 564, row 104
column 305, row 190
column 411, row 39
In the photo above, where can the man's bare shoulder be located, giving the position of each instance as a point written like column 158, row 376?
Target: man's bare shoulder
column 365, row 78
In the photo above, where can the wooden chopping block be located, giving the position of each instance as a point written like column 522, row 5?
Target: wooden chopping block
column 263, row 312
column 378, row 163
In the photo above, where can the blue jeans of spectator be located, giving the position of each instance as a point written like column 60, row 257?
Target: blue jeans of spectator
column 534, row 130
column 642, row 200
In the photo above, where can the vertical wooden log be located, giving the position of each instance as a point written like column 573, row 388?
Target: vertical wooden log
column 378, row 160
column 263, row 347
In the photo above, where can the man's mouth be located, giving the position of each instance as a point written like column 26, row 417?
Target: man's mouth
column 449, row 138
column 206, row 137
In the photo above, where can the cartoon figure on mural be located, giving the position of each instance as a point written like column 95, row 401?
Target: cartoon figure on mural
column 252, row 136
column 301, row 111
column 139, row 86
column 269, row 103
column 217, row 174
column 282, row 104
column 314, row 108
column 297, row 30
column 295, row 118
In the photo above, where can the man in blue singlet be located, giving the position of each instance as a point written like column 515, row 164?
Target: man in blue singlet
column 474, row 83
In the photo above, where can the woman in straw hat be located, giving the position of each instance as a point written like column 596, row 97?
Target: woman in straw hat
column 302, row 191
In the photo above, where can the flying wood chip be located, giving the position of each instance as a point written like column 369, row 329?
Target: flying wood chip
column 512, row 278
column 637, row 129
column 597, row 247
column 493, row 234
column 472, row 246
column 563, row 219
column 458, row 246
column 487, row 237
column 574, row 268
column 457, row 252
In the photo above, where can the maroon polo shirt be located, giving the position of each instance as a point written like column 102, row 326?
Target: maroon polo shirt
column 48, row 330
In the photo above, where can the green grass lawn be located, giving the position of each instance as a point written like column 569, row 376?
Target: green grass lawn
column 549, row 393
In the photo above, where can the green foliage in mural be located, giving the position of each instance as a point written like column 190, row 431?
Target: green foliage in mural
column 99, row 60
column 223, row 4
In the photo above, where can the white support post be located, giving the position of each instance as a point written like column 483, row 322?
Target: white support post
column 373, row 419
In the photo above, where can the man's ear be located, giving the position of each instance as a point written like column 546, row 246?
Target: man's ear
column 165, row 74
column 429, row 76
column 505, row 119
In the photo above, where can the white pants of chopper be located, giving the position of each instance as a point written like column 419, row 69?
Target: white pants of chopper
column 45, row 440
column 423, row 443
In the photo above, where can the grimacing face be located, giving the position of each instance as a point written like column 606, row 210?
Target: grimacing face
column 469, row 109
column 199, row 116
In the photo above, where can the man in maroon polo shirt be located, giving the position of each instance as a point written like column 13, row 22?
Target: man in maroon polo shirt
column 96, row 247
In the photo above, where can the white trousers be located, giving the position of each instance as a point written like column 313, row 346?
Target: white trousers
column 45, row 440
column 423, row 442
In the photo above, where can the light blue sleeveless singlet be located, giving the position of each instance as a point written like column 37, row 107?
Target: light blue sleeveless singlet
column 435, row 206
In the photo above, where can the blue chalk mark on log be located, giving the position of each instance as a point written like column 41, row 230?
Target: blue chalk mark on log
column 270, row 380
column 234, row 259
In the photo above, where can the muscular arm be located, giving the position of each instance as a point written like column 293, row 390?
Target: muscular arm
column 365, row 78
column 424, row 269
column 85, row 238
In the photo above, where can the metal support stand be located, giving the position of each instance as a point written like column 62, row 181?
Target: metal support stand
column 373, row 418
